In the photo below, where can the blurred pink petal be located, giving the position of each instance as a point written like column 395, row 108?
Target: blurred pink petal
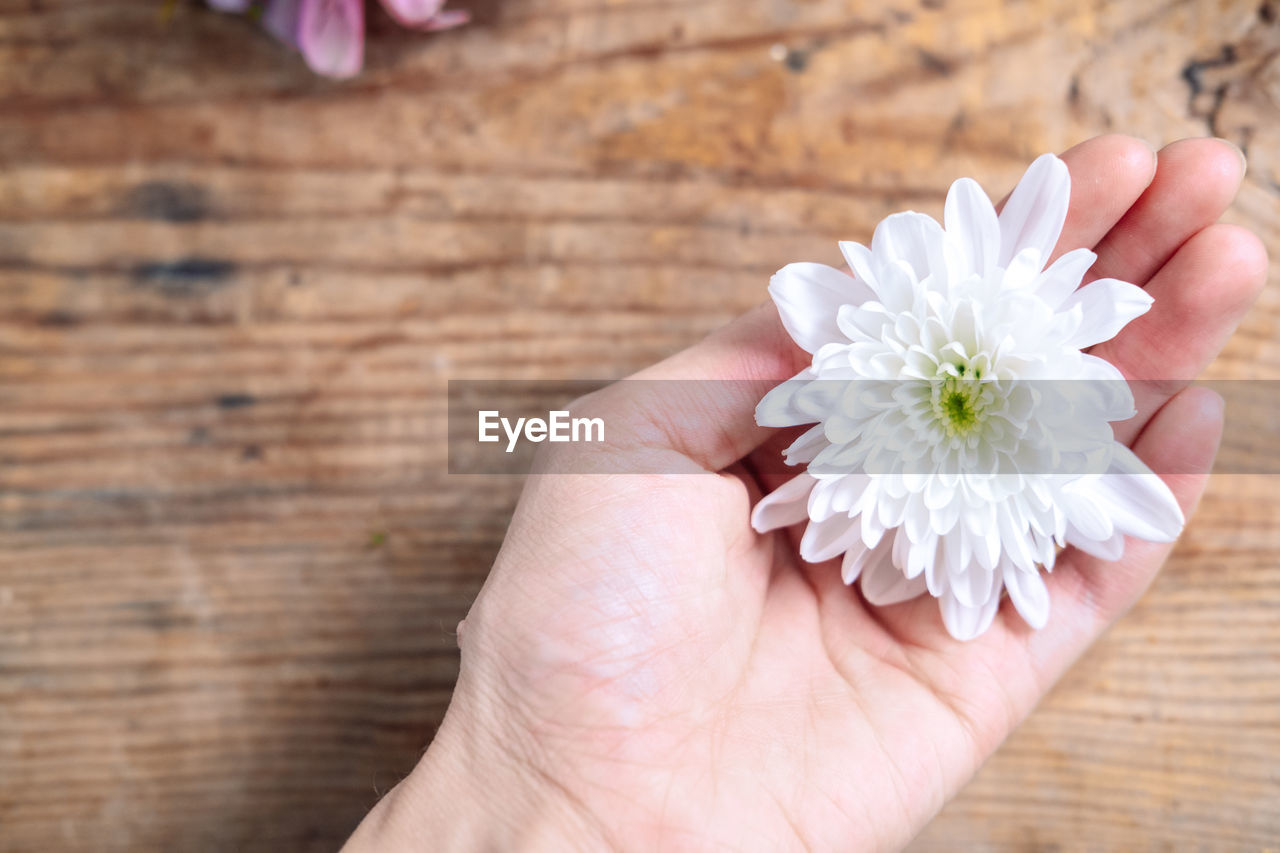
column 447, row 19
column 331, row 36
column 230, row 5
column 425, row 14
column 413, row 13
column 280, row 18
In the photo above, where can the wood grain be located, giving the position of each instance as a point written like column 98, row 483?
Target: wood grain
column 231, row 295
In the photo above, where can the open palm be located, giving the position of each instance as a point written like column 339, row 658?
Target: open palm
column 661, row 675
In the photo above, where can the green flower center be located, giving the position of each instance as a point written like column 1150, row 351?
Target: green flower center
column 959, row 409
column 959, row 405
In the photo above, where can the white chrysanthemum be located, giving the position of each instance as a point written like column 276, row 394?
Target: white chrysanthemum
column 955, row 447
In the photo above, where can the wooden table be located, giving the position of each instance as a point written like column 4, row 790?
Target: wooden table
column 231, row 295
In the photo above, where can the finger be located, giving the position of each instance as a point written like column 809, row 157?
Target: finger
column 1201, row 295
column 699, row 404
column 1088, row 594
column 753, row 347
column 1195, row 181
column 1108, row 174
column 767, row 463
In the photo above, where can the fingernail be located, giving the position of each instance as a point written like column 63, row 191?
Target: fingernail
column 1214, row 403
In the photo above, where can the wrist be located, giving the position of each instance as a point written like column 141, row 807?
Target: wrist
column 478, row 788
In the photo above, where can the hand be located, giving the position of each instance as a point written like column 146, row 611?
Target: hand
column 642, row 670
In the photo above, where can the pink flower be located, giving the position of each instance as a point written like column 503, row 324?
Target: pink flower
column 424, row 14
column 331, row 36
column 330, row 33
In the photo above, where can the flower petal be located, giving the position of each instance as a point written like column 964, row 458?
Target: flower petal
column 966, row 623
column 859, row 259
column 1085, row 515
column 1023, row 269
column 829, row 538
column 972, row 587
column 280, row 18
column 970, row 218
column 447, row 20
column 412, row 13
column 1063, row 276
column 331, row 36
column 1034, row 214
column 1137, row 500
column 1115, row 397
column 777, row 408
column 806, row 447
column 1108, row 305
column 915, row 239
column 1028, row 592
column 854, row 560
column 837, row 496
column 809, row 297
column 872, row 530
column 786, row 505
column 884, row 584
column 892, row 283
column 1109, row 549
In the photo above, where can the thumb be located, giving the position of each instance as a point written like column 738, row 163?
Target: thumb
column 700, row 403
